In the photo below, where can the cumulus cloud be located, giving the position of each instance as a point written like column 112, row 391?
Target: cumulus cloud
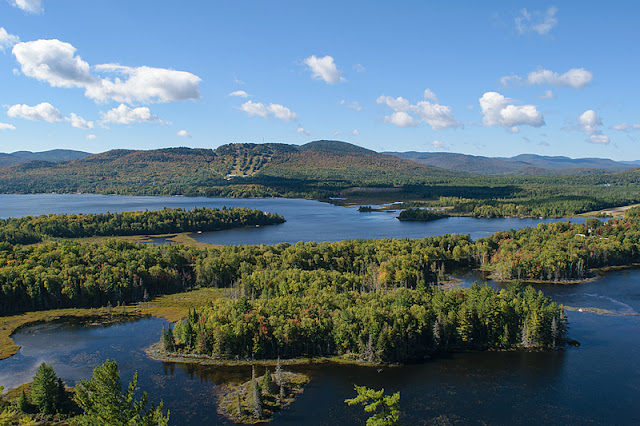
column 401, row 119
column 498, row 110
column 324, row 69
column 41, row 112
column 302, row 131
column 144, row 84
column 541, row 22
column 430, row 95
column 125, row 115
column 7, row 40
column 183, row 133
column 79, row 122
column 56, row 63
column 91, row 137
column 590, row 123
column 266, row 111
column 408, row 115
column 439, row 145
column 29, row 6
column 46, row 112
column 576, row 78
column 5, row 126
column 53, row 61
column 240, row 94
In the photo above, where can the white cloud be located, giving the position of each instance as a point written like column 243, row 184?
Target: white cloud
column 429, row 95
column 79, row 122
column 29, row 6
column 183, row 133
column 623, row 127
column 548, row 94
column 47, row 112
column 255, row 108
column 282, row 112
column 144, row 84
column 56, row 63
column 324, row 69
column 508, row 80
column 437, row 116
column 540, row 22
column 514, row 130
column 91, row 137
column 439, row 145
column 240, row 94
column 53, row 61
column 125, row 115
column 42, row 112
column 302, row 131
column 499, row 111
column 355, row 132
column 7, row 40
column 401, row 119
column 590, row 123
column 276, row 110
column 576, row 78
column 5, row 126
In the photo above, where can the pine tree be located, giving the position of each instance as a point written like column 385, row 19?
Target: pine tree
column 255, row 398
column 44, row 390
column 373, row 401
column 267, row 384
column 103, row 402
column 168, row 339
column 23, row 403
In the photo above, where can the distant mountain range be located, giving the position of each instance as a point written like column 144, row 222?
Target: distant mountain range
column 524, row 164
column 53, row 155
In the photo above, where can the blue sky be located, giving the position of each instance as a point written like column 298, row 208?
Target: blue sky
column 482, row 78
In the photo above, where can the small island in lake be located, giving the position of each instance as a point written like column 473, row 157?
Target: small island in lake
column 258, row 399
column 421, row 215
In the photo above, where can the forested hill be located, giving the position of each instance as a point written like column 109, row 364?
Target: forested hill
column 246, row 169
column 53, row 155
column 524, row 164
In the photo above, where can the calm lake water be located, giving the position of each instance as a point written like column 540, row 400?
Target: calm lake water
column 597, row 383
column 307, row 220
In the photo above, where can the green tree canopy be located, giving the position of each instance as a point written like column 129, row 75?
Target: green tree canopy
column 103, row 402
column 386, row 409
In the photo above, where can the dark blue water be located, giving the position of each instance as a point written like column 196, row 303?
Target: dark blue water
column 597, row 383
column 307, row 220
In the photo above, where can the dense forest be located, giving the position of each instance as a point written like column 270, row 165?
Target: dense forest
column 421, row 215
column 29, row 229
column 70, row 274
column 321, row 170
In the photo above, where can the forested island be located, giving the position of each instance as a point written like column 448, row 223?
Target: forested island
column 29, row 229
column 421, row 215
column 326, row 171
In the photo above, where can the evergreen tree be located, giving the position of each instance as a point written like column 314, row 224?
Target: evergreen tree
column 255, row 399
column 386, row 408
column 45, row 392
column 267, row 384
column 168, row 339
column 103, row 402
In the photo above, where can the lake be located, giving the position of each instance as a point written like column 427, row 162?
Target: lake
column 597, row 383
column 307, row 220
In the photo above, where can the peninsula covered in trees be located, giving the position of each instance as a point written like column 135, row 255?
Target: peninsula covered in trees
column 325, row 170
column 29, row 230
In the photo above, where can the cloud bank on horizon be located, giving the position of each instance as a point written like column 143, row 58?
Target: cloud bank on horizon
column 496, row 81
